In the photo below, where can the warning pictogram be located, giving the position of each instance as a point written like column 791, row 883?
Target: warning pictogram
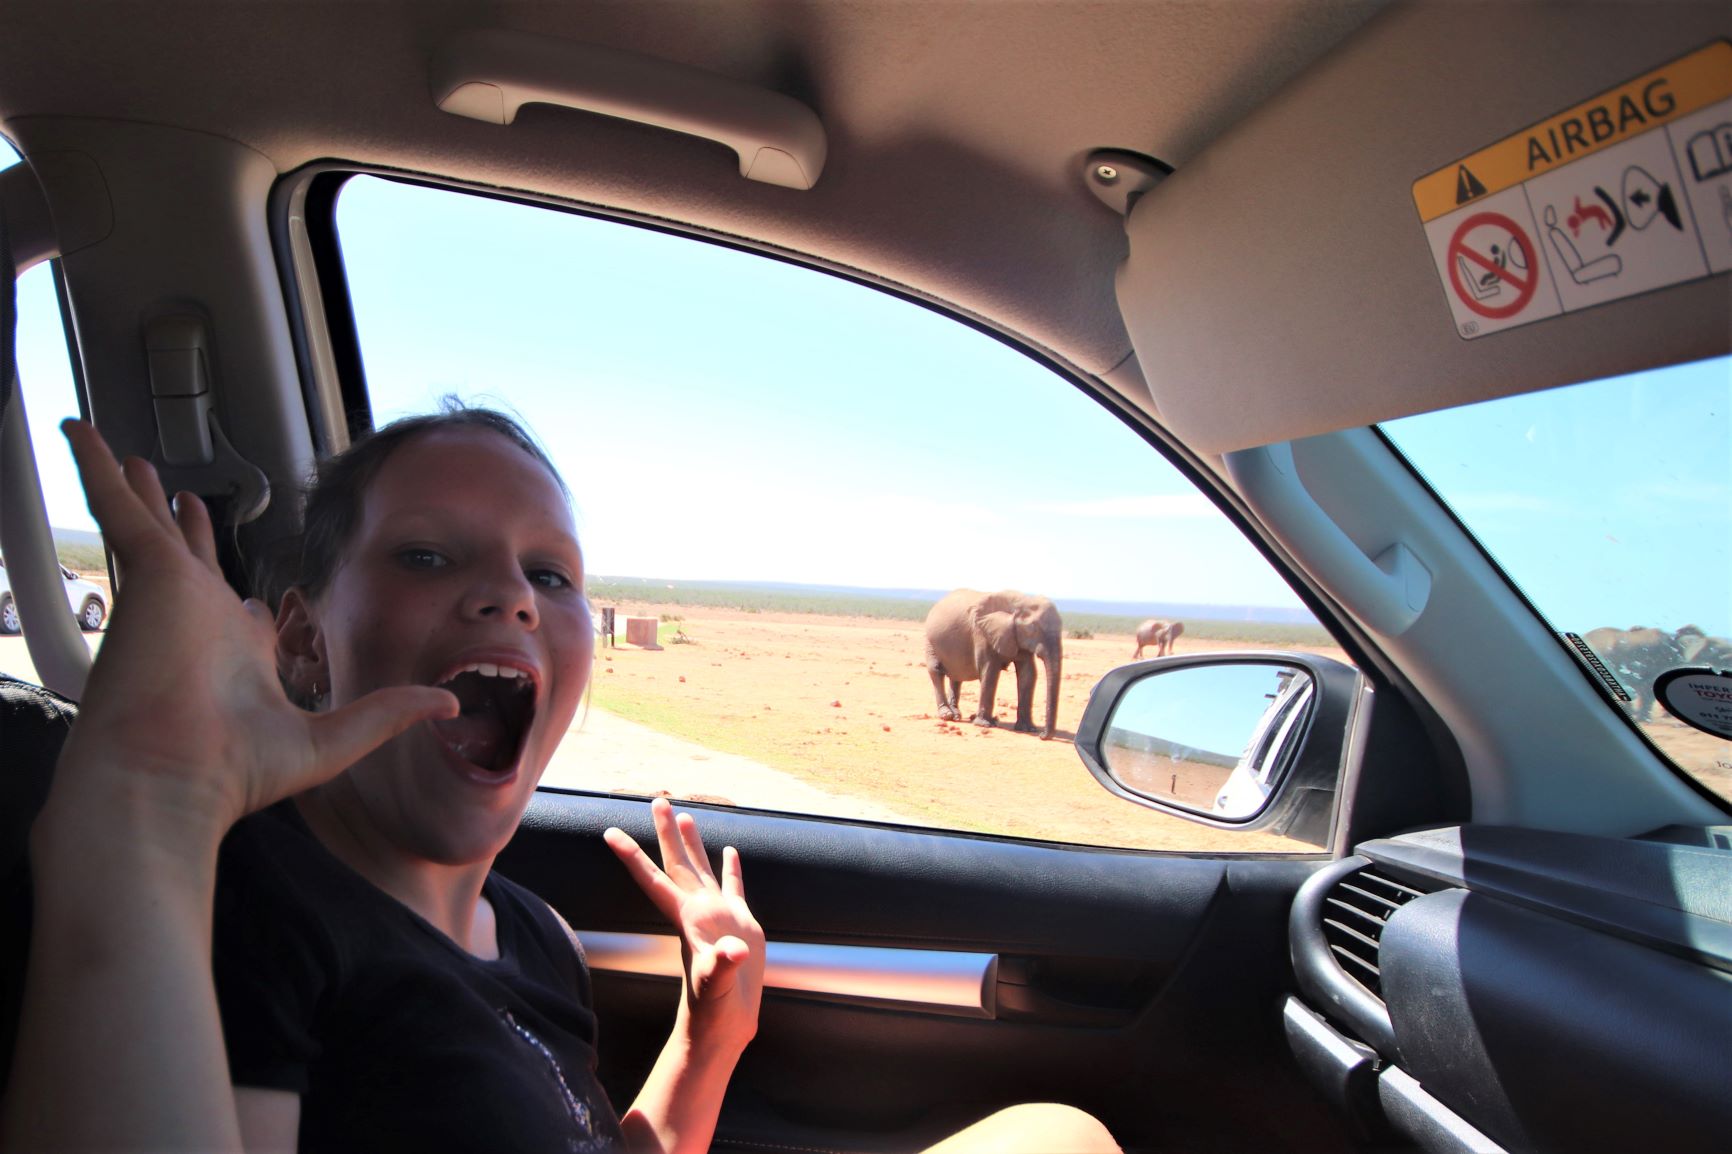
column 1670, row 93
column 1492, row 265
column 1467, row 186
column 1634, row 196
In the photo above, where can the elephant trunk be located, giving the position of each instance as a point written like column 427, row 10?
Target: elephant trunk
column 1054, row 659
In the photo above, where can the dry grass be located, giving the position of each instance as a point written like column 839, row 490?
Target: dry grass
column 845, row 705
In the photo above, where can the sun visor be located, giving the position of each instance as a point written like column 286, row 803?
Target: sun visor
column 1464, row 201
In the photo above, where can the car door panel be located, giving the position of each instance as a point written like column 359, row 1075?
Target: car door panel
column 1143, row 987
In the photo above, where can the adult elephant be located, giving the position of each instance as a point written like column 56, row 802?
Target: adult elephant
column 973, row 636
column 1160, row 634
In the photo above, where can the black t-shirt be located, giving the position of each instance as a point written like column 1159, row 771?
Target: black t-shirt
column 394, row 1037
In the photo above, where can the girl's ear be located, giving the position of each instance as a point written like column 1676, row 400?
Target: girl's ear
column 300, row 649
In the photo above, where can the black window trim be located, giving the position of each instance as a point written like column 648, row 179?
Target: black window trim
column 320, row 184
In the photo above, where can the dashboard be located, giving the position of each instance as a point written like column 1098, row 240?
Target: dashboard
column 1490, row 988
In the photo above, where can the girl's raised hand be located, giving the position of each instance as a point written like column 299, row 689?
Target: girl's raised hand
column 183, row 711
column 723, row 944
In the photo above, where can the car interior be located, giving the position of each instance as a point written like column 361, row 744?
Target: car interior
column 1253, row 233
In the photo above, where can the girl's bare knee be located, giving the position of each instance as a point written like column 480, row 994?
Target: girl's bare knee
column 1035, row 1127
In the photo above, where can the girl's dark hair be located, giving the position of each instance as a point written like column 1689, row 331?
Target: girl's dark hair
column 331, row 496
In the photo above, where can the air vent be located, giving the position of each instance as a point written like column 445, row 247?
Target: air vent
column 1354, row 914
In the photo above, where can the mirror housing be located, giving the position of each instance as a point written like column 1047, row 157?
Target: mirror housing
column 1311, row 727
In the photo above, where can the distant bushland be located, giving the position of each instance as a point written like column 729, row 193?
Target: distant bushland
column 82, row 558
column 80, row 550
column 899, row 605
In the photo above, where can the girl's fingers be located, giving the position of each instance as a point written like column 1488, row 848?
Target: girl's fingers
column 147, row 486
column 662, row 892
column 673, row 847
column 112, row 501
column 715, row 970
column 263, row 623
column 693, row 843
column 127, row 498
column 344, row 736
column 733, row 877
column 193, row 519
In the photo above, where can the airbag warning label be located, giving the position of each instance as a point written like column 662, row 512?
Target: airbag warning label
column 1620, row 195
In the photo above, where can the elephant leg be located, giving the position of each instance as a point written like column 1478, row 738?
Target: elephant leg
column 955, row 699
column 1138, row 655
column 1054, row 660
column 946, row 708
column 1025, row 693
column 988, row 694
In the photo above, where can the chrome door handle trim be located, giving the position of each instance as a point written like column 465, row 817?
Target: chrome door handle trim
column 936, row 978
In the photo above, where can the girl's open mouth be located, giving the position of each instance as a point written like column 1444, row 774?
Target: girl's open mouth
column 496, row 706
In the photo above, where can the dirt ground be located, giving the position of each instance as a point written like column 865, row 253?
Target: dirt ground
column 1708, row 757
column 845, row 705
column 836, row 716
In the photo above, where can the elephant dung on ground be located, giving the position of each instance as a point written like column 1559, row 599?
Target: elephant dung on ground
column 1160, row 634
column 973, row 636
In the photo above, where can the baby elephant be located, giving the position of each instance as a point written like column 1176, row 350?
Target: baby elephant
column 1160, row 634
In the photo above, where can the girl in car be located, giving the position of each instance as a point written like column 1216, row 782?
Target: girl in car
column 279, row 829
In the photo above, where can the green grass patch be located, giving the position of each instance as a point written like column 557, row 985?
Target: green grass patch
column 743, row 738
column 659, row 716
column 82, row 558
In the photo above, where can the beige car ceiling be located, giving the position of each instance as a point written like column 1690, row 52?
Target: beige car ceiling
column 957, row 130
column 1287, row 266
column 1278, row 285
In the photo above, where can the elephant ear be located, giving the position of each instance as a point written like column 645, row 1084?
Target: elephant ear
column 999, row 630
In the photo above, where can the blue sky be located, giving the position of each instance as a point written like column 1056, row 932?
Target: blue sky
column 719, row 415
column 1608, row 503
column 723, row 416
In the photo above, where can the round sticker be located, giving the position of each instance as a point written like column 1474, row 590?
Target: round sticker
column 1698, row 697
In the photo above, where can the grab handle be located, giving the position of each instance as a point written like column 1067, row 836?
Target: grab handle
column 490, row 74
column 1387, row 592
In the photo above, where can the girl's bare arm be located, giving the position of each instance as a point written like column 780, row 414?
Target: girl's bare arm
column 183, row 730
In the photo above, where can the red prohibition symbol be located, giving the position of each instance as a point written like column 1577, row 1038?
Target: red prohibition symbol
column 1498, row 282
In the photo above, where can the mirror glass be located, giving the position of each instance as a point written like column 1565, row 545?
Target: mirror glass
column 1211, row 738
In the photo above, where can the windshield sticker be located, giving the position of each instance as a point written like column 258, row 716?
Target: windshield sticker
column 1624, row 194
column 1698, row 697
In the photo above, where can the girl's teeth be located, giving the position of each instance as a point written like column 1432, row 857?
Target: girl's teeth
column 488, row 669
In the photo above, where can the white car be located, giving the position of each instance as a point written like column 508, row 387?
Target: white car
column 1271, row 747
column 88, row 602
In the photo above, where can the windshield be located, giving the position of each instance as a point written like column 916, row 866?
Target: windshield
column 1609, row 504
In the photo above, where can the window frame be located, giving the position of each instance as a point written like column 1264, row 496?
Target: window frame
column 1582, row 668
column 326, row 315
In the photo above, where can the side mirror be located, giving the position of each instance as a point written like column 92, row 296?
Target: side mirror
column 1232, row 740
